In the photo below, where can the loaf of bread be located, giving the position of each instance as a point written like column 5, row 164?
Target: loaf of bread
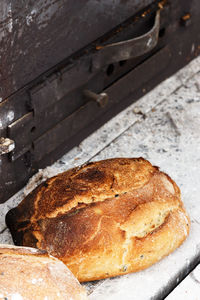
column 31, row 274
column 103, row 219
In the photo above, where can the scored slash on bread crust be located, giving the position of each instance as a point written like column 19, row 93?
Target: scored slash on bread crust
column 103, row 219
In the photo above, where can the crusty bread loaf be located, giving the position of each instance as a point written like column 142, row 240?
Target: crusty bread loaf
column 31, row 274
column 103, row 219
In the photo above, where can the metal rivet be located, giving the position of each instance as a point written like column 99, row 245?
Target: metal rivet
column 6, row 145
column 101, row 99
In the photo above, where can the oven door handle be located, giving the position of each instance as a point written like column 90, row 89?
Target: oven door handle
column 127, row 49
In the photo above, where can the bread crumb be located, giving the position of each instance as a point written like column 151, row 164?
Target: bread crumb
column 16, row 297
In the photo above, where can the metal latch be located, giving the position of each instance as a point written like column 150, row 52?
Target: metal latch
column 52, row 111
column 20, row 131
column 127, row 49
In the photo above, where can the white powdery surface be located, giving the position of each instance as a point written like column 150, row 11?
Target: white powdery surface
column 170, row 138
column 167, row 134
column 189, row 288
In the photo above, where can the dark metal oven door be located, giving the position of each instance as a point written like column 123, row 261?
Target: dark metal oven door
column 37, row 35
column 62, row 83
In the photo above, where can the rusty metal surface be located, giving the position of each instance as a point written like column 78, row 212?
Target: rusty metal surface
column 60, row 95
column 128, row 49
column 36, row 35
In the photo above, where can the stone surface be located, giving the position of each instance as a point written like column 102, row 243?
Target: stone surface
column 170, row 138
column 163, row 127
column 189, row 288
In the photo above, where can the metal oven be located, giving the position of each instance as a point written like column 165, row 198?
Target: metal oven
column 66, row 67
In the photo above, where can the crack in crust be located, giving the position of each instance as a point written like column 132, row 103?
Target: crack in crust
column 103, row 219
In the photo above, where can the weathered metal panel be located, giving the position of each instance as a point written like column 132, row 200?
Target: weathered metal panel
column 36, row 35
column 52, row 110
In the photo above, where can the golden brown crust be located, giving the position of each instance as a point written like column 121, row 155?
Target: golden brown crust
column 27, row 273
column 103, row 219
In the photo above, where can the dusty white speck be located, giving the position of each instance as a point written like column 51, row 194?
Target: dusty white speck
column 192, row 48
column 16, row 297
column 10, row 22
column 10, row 115
column 35, row 280
column 33, row 11
column 46, row 298
column 11, row 147
column 149, row 42
column 29, row 18
column 1, row 98
column 1, row 125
